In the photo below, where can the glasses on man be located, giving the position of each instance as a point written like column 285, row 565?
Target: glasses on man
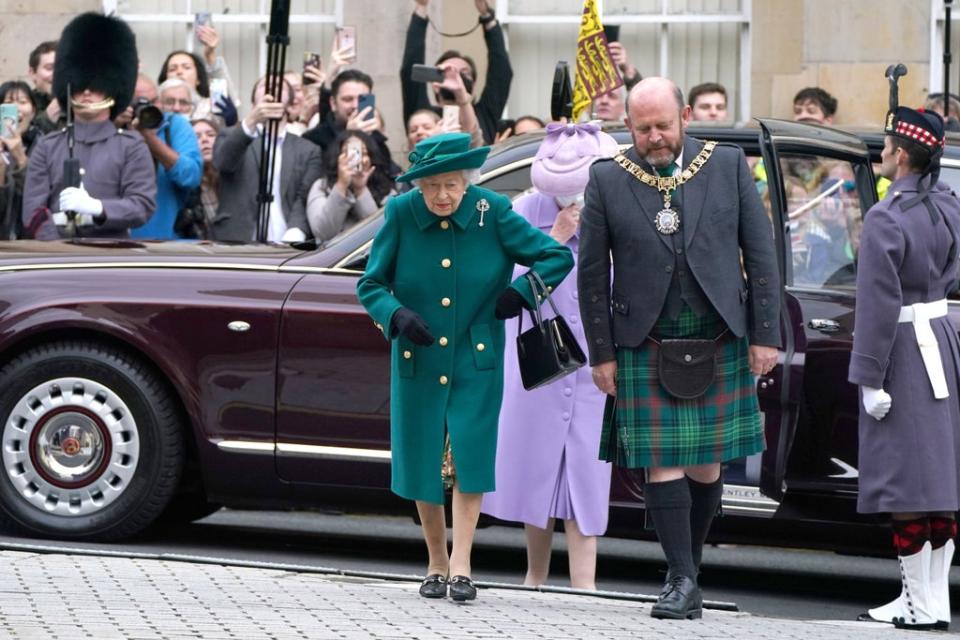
column 177, row 102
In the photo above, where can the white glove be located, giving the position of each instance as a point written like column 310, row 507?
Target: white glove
column 876, row 401
column 293, row 234
column 82, row 219
column 77, row 199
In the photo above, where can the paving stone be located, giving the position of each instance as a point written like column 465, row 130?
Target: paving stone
column 144, row 599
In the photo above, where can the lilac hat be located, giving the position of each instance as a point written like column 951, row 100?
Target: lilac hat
column 562, row 164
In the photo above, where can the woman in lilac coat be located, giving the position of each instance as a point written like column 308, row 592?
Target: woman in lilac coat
column 547, row 466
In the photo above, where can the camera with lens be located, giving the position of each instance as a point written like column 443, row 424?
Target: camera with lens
column 147, row 114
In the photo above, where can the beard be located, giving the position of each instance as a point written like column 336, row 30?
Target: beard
column 657, row 159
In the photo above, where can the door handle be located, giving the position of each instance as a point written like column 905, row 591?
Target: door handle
column 824, row 325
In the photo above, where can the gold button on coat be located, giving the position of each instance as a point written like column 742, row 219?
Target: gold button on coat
column 481, row 346
column 445, row 263
column 444, row 224
column 407, row 355
column 445, row 302
column 443, row 379
column 443, row 341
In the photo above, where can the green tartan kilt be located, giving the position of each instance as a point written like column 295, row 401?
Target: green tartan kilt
column 644, row 426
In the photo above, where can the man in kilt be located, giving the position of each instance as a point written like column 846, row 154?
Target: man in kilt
column 682, row 222
column 906, row 360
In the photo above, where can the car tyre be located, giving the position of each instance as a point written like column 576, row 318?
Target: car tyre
column 92, row 442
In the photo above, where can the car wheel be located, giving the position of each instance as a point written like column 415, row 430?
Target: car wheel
column 92, row 443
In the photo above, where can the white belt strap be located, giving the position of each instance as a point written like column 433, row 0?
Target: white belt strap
column 920, row 315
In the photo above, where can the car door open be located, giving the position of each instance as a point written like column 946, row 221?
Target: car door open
column 821, row 184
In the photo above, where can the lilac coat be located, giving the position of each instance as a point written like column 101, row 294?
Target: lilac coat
column 910, row 460
column 547, row 464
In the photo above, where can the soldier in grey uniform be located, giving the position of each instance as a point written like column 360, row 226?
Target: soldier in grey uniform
column 97, row 59
column 906, row 360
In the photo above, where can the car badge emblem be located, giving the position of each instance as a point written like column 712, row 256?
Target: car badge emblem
column 482, row 206
column 667, row 221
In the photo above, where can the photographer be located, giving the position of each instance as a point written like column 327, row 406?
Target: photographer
column 175, row 152
column 496, row 90
column 354, row 186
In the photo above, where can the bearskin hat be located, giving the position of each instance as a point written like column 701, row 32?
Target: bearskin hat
column 99, row 53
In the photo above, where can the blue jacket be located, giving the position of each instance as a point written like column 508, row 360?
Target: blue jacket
column 175, row 184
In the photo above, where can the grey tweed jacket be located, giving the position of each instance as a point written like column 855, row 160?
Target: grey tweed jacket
column 237, row 156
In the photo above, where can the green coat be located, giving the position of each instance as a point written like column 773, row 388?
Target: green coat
column 450, row 271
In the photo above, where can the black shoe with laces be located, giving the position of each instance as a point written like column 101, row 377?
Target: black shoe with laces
column 434, row 586
column 462, row 589
column 679, row 600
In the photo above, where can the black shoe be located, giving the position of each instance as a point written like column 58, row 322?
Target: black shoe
column 462, row 589
column 434, row 586
column 679, row 600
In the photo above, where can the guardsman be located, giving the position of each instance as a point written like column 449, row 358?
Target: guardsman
column 906, row 360
column 97, row 59
column 438, row 281
column 677, row 340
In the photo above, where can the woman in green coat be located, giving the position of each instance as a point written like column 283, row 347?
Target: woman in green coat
column 438, row 283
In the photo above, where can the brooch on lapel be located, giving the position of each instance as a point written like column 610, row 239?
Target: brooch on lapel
column 482, row 206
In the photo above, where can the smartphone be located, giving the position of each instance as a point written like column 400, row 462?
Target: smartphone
column 202, row 19
column 612, row 31
column 347, row 39
column 355, row 153
column 218, row 88
column 310, row 59
column 451, row 116
column 10, row 117
column 364, row 101
column 426, row 73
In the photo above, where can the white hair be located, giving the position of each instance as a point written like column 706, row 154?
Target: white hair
column 470, row 176
column 173, row 83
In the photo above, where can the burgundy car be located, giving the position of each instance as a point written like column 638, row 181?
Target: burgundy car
column 145, row 380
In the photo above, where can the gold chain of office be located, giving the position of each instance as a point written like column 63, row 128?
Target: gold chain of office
column 666, row 184
column 667, row 220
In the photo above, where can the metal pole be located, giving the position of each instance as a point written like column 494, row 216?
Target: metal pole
column 277, row 41
column 947, row 59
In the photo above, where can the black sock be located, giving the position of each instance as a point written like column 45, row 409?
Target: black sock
column 705, row 500
column 669, row 506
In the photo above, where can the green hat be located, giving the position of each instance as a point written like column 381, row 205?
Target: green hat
column 442, row 153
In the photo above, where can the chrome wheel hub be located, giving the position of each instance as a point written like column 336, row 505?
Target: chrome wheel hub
column 70, row 446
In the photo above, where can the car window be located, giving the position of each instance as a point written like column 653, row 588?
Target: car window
column 824, row 219
column 950, row 174
column 511, row 183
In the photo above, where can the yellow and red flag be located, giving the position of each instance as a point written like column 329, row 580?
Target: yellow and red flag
column 596, row 72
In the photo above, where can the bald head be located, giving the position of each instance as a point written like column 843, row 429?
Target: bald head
column 655, row 90
column 657, row 118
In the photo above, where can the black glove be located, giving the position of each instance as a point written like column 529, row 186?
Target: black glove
column 509, row 304
column 228, row 110
column 411, row 325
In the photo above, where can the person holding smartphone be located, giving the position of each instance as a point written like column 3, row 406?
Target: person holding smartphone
column 489, row 107
column 346, row 113
column 199, row 72
column 354, row 186
column 18, row 107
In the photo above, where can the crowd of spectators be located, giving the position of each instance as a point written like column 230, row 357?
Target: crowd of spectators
column 206, row 153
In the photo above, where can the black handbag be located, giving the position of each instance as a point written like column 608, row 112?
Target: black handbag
column 548, row 350
column 687, row 367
